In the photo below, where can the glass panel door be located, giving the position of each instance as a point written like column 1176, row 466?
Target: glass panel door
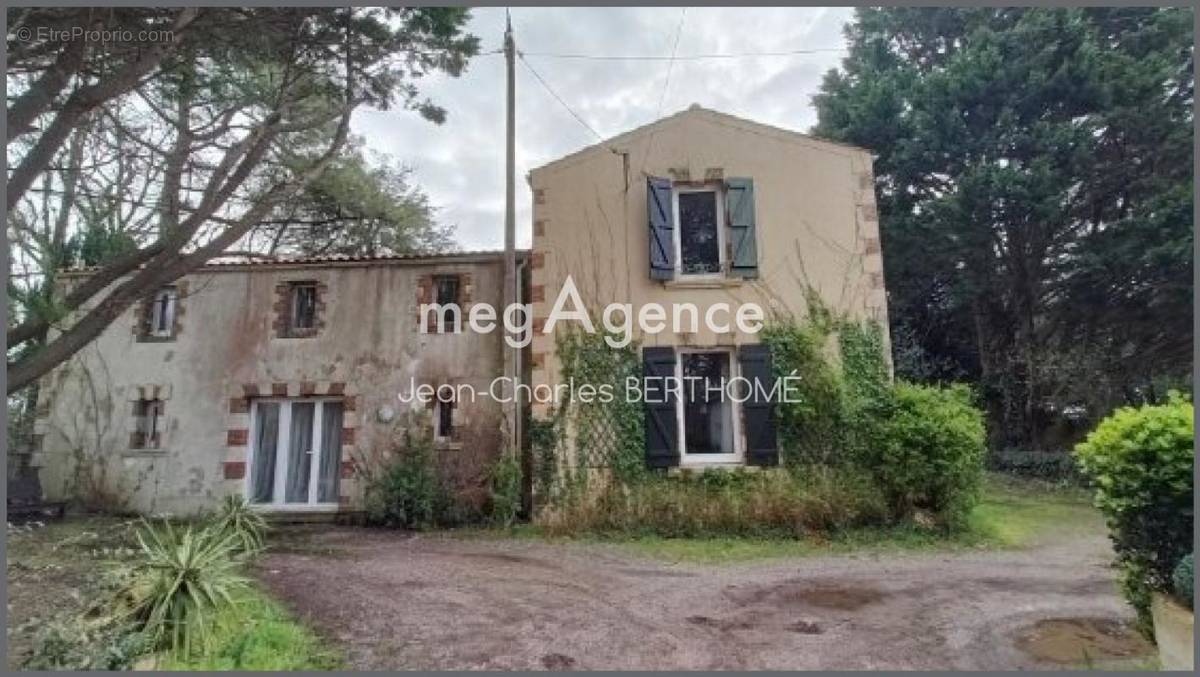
column 331, row 452
column 296, row 454
column 262, row 465
column 300, row 450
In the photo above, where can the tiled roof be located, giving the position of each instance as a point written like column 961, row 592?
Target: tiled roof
column 242, row 262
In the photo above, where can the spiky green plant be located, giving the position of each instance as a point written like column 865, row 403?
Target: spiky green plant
column 185, row 577
column 238, row 518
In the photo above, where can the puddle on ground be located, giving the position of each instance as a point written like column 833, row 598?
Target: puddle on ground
column 800, row 591
column 840, row 598
column 1081, row 640
column 719, row 624
column 557, row 662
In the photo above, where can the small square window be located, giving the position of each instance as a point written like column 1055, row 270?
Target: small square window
column 159, row 314
column 162, row 315
column 303, row 307
column 148, row 424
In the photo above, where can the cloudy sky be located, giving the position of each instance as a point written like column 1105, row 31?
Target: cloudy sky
column 460, row 164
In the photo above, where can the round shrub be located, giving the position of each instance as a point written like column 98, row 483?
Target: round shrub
column 928, row 451
column 1184, row 580
column 1140, row 462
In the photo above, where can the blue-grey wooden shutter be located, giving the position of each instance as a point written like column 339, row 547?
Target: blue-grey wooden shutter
column 739, row 200
column 661, row 219
column 758, row 411
column 662, row 430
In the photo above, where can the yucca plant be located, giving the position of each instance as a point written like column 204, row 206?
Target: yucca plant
column 236, row 517
column 186, row 576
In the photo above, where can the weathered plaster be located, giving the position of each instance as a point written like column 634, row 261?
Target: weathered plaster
column 226, row 354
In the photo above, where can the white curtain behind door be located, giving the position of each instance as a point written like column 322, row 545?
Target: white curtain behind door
column 299, row 453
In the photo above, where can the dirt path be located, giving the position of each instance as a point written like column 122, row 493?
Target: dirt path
column 433, row 602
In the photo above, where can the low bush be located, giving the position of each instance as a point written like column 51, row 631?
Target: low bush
column 1140, row 462
column 407, row 493
column 927, row 451
column 808, row 500
column 505, row 503
column 78, row 644
column 238, row 519
column 1183, row 581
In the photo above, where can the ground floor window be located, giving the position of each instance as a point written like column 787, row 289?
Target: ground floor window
column 296, row 450
column 708, row 424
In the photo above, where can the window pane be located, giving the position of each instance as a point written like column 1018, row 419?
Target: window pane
column 445, row 422
column 304, row 306
column 300, row 454
column 707, row 414
column 447, row 294
column 447, row 289
column 331, row 452
column 262, row 472
column 698, row 241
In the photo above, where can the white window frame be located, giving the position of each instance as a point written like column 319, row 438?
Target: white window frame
column 156, row 312
column 738, row 456
column 282, row 445
column 677, row 233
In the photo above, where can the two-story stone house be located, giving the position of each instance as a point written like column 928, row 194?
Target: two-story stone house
column 705, row 208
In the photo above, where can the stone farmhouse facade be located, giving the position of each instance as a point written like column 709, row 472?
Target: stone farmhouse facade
column 274, row 380
column 278, row 380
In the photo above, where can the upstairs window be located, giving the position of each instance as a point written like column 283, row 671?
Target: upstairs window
column 299, row 307
column 162, row 313
column 700, row 246
column 303, row 307
column 446, row 295
column 158, row 316
column 148, row 424
column 701, row 229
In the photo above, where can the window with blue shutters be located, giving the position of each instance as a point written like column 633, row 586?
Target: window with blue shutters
column 701, row 230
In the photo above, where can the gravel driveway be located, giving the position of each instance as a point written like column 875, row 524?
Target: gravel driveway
column 397, row 601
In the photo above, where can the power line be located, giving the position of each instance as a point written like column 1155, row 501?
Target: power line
column 558, row 98
column 666, row 85
column 685, row 57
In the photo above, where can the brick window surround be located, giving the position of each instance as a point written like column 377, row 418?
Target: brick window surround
column 282, row 324
column 145, row 400
column 427, row 293
column 237, row 434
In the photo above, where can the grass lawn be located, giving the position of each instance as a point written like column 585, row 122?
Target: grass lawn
column 57, row 572
column 259, row 635
column 1012, row 513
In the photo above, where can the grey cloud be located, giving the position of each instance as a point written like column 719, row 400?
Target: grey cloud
column 460, row 164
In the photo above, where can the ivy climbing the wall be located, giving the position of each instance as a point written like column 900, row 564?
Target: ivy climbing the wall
column 606, row 432
column 848, row 436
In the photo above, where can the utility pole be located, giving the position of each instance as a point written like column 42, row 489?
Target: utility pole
column 512, row 358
